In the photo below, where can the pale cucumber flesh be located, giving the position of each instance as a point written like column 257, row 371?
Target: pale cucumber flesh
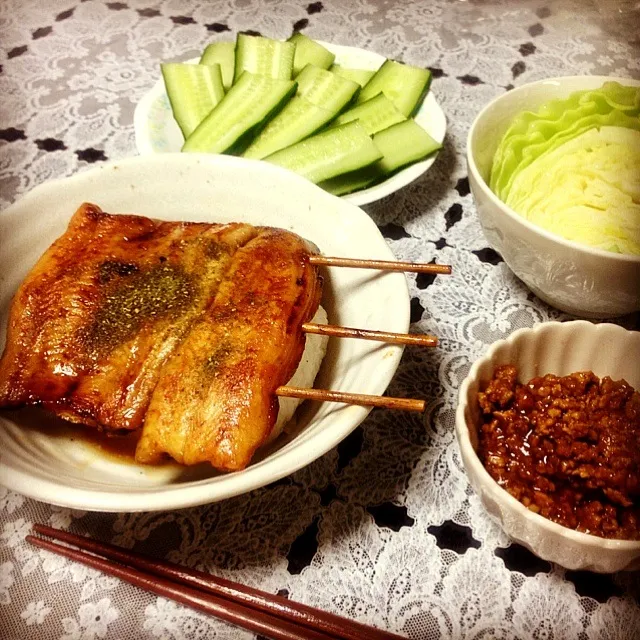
column 309, row 51
column 224, row 54
column 403, row 144
column 325, row 89
column 193, row 91
column 263, row 56
column 298, row 119
column 329, row 153
column 301, row 117
column 405, row 85
column 361, row 76
column 374, row 115
column 248, row 105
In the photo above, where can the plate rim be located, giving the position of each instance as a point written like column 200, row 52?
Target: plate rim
column 205, row 491
column 394, row 183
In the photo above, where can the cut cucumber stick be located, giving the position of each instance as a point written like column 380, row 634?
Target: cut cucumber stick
column 298, row 119
column 325, row 89
column 401, row 144
column 264, row 56
column 361, row 76
column 320, row 98
column 224, row 54
column 375, row 114
column 330, row 153
column 309, row 51
column 248, row 106
column 193, row 91
column 403, row 84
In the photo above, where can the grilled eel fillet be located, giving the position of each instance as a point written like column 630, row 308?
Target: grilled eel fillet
column 183, row 330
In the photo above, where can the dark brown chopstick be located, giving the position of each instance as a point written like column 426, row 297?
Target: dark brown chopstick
column 250, row 608
column 368, row 334
column 328, row 395
column 226, row 610
column 382, row 265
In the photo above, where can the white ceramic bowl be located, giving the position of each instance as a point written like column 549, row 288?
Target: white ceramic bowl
column 575, row 278
column 157, row 132
column 560, row 348
column 39, row 461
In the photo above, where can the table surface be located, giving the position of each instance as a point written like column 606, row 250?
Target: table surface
column 384, row 528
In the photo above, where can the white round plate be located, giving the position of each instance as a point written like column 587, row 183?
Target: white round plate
column 39, row 461
column 157, row 132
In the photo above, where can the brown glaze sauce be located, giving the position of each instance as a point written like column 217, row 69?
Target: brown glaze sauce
column 567, row 447
column 119, row 447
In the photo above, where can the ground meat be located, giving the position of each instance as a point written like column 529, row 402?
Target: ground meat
column 567, row 448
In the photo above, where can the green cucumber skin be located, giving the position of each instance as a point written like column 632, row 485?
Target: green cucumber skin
column 224, row 54
column 309, row 51
column 347, row 183
column 193, row 91
column 327, row 154
column 391, row 79
column 253, row 51
column 421, row 98
column 236, row 141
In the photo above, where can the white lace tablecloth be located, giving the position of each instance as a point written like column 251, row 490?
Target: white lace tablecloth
column 385, row 528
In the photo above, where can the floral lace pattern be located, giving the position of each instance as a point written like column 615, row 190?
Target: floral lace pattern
column 384, row 529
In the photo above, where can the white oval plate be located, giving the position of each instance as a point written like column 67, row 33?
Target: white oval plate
column 63, row 470
column 157, row 132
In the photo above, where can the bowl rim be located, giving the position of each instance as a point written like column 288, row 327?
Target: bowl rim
column 470, row 456
column 505, row 208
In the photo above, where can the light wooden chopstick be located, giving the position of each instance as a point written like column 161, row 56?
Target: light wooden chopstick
column 257, row 611
column 382, row 265
column 420, row 340
column 328, row 395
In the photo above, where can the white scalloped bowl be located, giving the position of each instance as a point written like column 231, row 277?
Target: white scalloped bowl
column 572, row 277
column 60, row 468
column 156, row 131
column 560, row 348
